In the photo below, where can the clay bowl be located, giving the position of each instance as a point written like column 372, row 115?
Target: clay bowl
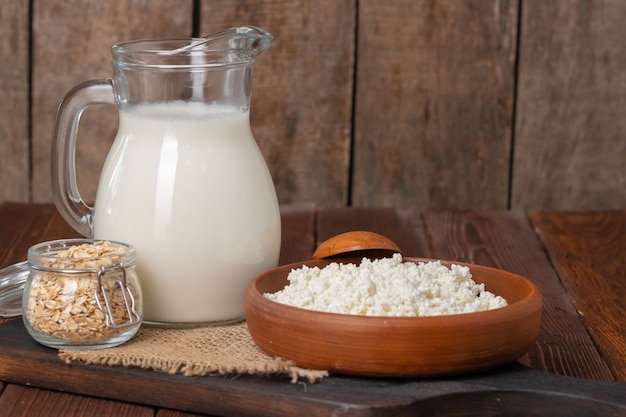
column 396, row 346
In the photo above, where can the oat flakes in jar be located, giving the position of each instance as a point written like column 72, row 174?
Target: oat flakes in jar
column 82, row 294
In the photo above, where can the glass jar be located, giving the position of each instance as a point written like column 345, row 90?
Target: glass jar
column 82, row 293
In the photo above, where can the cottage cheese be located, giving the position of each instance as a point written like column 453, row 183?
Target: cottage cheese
column 387, row 287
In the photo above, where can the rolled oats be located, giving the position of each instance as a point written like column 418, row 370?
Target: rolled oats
column 64, row 298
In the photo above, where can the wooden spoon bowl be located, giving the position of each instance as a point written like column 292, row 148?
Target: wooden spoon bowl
column 360, row 242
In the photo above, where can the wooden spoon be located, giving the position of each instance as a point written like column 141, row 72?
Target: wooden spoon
column 372, row 244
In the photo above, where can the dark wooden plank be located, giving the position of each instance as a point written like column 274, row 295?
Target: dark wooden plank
column 588, row 250
column 298, row 239
column 434, row 103
column 505, row 240
column 302, row 91
column 570, row 140
column 21, row 401
column 71, row 44
column 14, row 137
column 23, row 225
column 404, row 227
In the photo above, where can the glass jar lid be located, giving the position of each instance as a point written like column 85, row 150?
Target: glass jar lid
column 12, row 281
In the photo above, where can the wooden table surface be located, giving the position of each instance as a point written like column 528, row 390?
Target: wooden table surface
column 577, row 366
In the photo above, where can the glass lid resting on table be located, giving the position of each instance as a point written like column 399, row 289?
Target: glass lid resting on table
column 12, row 280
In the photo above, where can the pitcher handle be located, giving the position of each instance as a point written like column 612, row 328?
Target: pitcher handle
column 67, row 198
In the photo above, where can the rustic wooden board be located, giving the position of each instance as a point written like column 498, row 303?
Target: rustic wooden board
column 505, row 240
column 588, row 251
column 434, row 108
column 302, row 91
column 14, row 145
column 570, row 140
column 25, row 362
column 71, row 44
column 31, row 364
column 174, row 413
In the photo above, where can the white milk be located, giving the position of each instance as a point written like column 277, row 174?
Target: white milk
column 187, row 186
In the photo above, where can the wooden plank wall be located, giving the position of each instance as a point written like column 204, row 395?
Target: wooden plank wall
column 14, row 94
column 479, row 104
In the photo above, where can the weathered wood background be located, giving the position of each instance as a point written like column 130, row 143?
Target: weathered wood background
column 483, row 104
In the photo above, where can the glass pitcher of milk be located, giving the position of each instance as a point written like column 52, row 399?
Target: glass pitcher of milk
column 184, row 181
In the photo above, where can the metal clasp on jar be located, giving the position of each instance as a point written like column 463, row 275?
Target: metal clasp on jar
column 110, row 279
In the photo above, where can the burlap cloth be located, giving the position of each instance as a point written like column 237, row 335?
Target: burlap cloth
column 219, row 350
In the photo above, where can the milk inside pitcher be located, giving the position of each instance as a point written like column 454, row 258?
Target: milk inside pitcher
column 184, row 181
